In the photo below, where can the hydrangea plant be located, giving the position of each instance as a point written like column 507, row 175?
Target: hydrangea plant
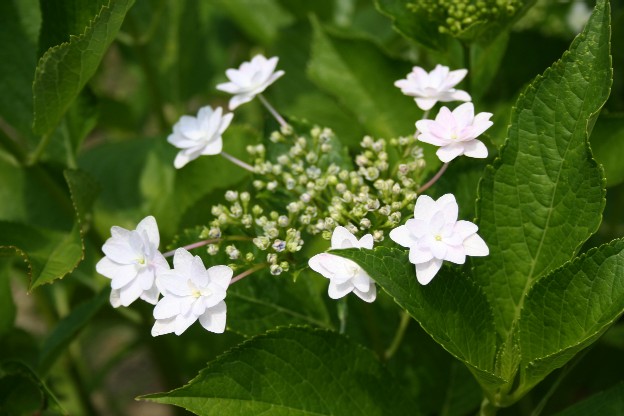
column 380, row 223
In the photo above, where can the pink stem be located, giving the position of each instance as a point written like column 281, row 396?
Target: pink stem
column 247, row 273
column 434, row 179
column 238, row 162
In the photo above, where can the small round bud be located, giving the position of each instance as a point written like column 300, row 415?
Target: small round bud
column 213, row 249
column 231, row 196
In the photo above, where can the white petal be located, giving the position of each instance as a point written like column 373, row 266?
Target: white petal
column 182, row 261
column 163, row 326
column 425, row 272
column 448, row 205
column 213, row 147
column 465, row 229
column 214, row 318
column 130, row 293
column 433, row 139
column 167, row 307
column 149, row 226
column 124, row 274
column 476, row 149
column 107, row 267
column 151, row 295
column 425, row 207
column 368, row 296
column 454, row 77
column 114, row 298
column 438, row 249
column 420, row 255
column 342, row 238
column 464, row 114
column 240, row 99
column 220, row 275
column 450, row 152
column 455, row 254
column 119, row 250
column 183, row 322
column 182, row 158
column 225, row 122
column 229, row 87
column 338, row 290
column 366, row 242
column 362, row 281
column 459, row 95
column 426, row 103
column 475, row 246
column 402, row 236
column 119, row 232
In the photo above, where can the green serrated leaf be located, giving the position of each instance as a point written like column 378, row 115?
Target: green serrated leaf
column 569, row 309
column 452, row 309
column 361, row 78
column 545, row 194
column 265, row 302
column 43, row 224
column 64, row 70
column 609, row 402
column 293, row 371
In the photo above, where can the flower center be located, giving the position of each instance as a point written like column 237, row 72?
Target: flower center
column 197, row 292
column 438, row 237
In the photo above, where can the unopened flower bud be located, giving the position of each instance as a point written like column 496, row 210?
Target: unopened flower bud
column 231, row 196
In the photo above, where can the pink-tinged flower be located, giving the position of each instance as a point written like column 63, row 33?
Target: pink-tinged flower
column 132, row 263
column 345, row 275
column 435, row 235
column 200, row 135
column 456, row 132
column 437, row 85
column 250, row 79
column 191, row 293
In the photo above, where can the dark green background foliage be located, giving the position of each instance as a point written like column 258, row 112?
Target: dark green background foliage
column 89, row 91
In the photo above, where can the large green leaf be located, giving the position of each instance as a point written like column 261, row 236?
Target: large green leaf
column 609, row 402
column 293, row 371
column 569, row 309
column 42, row 223
column 64, row 70
column 361, row 77
column 545, row 194
column 263, row 302
column 452, row 309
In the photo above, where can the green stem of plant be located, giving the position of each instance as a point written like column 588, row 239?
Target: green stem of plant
column 343, row 314
column 398, row 336
column 487, row 408
column 36, row 154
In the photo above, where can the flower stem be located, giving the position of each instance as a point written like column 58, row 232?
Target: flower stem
column 434, row 179
column 238, row 162
column 398, row 336
column 272, row 110
column 247, row 272
column 192, row 246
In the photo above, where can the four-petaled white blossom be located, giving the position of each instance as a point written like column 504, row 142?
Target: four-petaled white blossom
column 190, row 292
column 250, row 79
column 199, row 135
column 345, row 275
column 456, row 132
column 437, row 85
column 132, row 262
column 435, row 235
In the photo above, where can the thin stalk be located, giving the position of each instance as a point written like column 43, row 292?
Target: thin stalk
column 434, row 179
column 487, row 408
column 36, row 154
column 238, row 162
column 247, row 272
column 194, row 245
column 272, row 110
column 343, row 314
column 398, row 336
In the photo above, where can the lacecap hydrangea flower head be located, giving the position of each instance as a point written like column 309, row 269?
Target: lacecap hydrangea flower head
column 345, row 276
column 428, row 88
column 435, row 235
column 190, row 293
column 200, row 135
column 456, row 132
column 132, row 262
column 250, row 79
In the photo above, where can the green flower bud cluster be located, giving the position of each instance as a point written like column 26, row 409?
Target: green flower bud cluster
column 455, row 16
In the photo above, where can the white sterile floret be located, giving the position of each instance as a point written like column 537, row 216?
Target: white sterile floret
column 199, row 135
column 250, row 79
column 435, row 235
column 437, row 85
column 456, row 132
column 345, row 275
column 133, row 262
column 190, row 292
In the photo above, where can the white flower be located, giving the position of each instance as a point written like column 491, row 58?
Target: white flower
column 250, row 79
column 132, row 262
column 190, row 292
column 345, row 275
column 435, row 235
column 199, row 135
column 437, row 85
column 455, row 132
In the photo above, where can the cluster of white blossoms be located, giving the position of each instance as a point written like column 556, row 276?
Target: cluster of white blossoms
column 331, row 200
